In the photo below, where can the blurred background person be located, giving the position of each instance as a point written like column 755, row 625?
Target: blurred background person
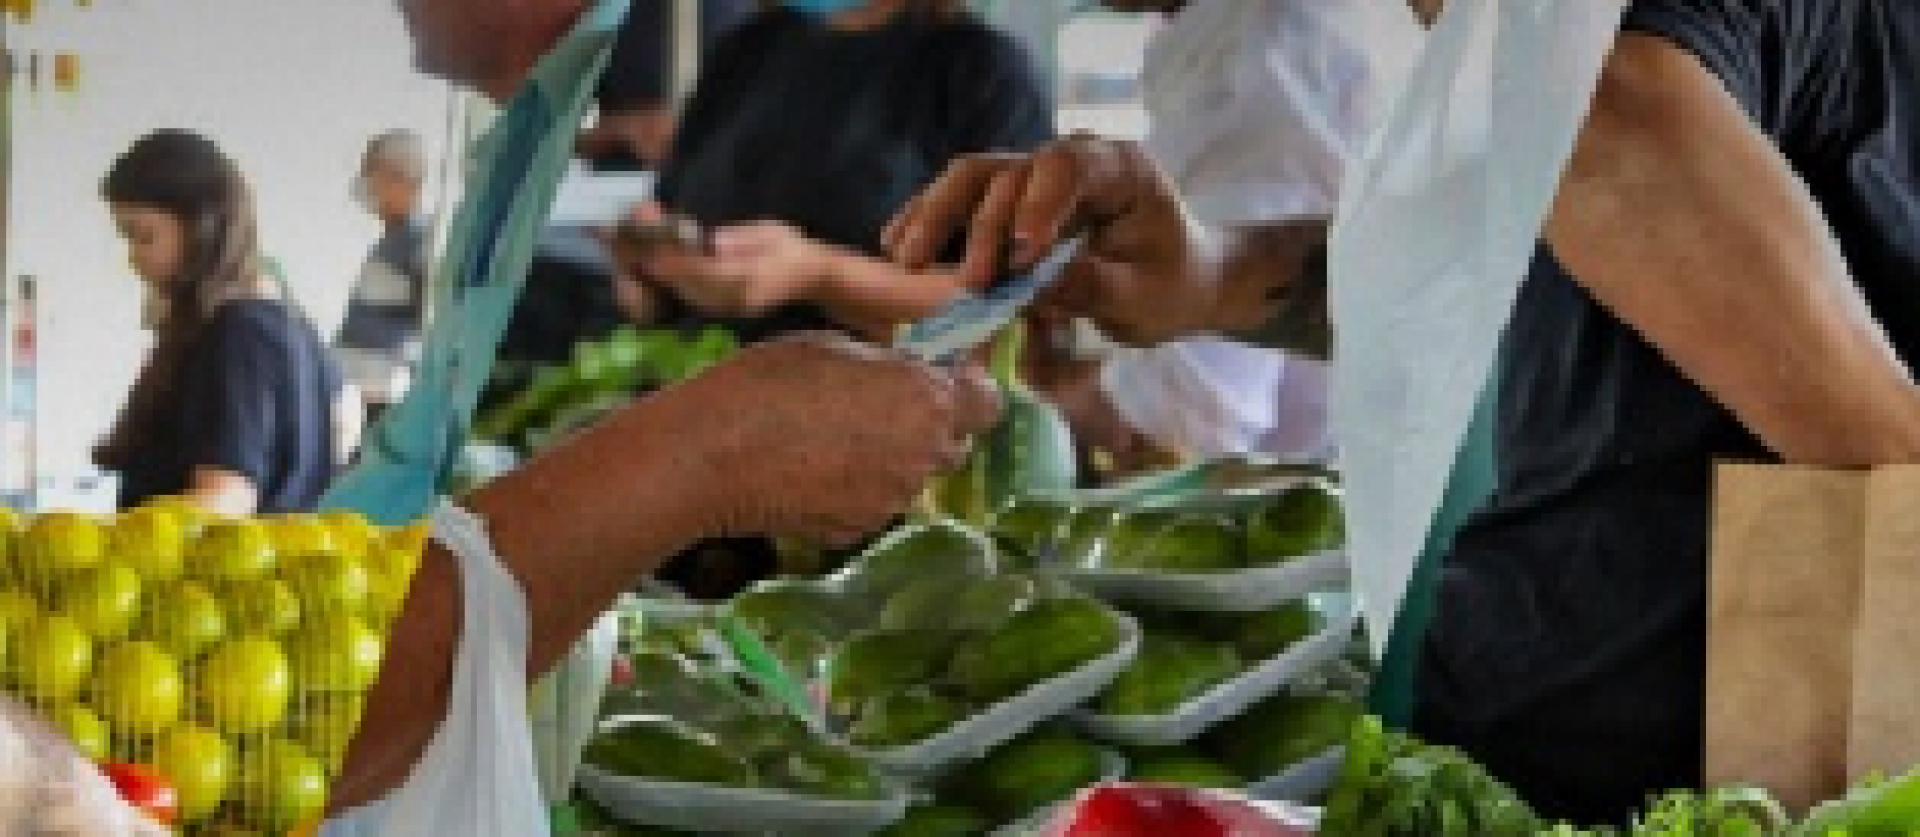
column 637, row 97
column 813, row 123
column 239, row 406
column 379, row 340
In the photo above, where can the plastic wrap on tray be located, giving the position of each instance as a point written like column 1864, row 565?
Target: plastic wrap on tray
column 1235, row 552
column 694, row 737
column 923, row 653
column 1217, row 681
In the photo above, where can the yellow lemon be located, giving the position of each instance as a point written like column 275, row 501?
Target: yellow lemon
column 265, row 606
column 244, row 685
column 138, row 688
column 199, row 763
column 85, row 729
column 281, row 787
column 233, row 549
column 51, row 656
column 326, row 582
column 184, row 617
column 335, row 652
column 103, row 600
column 151, row 541
column 17, row 608
column 300, row 534
column 59, row 542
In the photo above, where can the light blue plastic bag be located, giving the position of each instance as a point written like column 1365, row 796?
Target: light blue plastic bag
column 478, row 777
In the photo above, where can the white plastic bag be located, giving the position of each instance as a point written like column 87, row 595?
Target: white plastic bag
column 477, row 778
column 1435, row 232
column 48, row 789
column 566, row 707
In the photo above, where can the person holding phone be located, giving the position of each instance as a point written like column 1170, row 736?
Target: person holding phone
column 811, row 124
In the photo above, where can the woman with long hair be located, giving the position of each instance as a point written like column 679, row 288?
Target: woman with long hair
column 239, row 406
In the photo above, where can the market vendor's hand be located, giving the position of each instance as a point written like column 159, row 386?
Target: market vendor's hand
column 1142, row 276
column 821, row 438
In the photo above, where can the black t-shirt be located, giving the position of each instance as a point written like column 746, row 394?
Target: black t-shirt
column 1586, row 574
column 834, row 131
column 255, row 397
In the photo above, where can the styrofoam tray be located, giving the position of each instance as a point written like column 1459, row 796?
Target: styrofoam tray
column 1231, row 698
column 711, row 809
column 1116, row 765
column 1238, row 591
column 1302, row 782
column 972, row 738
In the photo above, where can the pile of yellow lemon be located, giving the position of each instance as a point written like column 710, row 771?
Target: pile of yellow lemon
column 228, row 654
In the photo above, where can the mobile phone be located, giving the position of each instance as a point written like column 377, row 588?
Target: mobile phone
column 645, row 236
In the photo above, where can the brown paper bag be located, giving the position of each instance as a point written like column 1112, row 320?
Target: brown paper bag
column 1885, row 727
column 1783, row 600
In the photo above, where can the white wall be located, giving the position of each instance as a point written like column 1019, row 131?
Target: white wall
column 291, row 88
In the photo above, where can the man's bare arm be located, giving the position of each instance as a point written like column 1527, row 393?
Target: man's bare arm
column 1273, row 288
column 782, row 439
column 1687, row 223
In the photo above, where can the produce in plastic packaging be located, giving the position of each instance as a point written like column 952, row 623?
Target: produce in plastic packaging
column 698, row 741
column 918, row 551
column 1177, row 695
column 1028, row 774
column 1048, row 639
column 1281, row 732
column 1129, row 810
column 226, row 655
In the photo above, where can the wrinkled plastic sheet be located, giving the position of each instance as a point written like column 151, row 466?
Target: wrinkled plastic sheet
column 1434, row 235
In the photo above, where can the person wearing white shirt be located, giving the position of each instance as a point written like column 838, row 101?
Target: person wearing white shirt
column 1257, row 108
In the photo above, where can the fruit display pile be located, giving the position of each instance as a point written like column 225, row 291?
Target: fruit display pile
column 964, row 666
column 223, row 657
column 557, row 400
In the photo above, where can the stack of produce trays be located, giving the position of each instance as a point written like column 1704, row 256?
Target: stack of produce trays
column 1239, row 592
column 691, row 739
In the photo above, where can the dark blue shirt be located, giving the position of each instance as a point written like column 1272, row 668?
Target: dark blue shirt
column 1573, row 607
column 254, row 397
column 834, row 131
column 387, row 304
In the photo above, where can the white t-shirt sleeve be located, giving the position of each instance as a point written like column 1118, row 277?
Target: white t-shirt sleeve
column 1259, row 106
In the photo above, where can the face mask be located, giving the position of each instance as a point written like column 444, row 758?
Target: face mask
column 824, row 8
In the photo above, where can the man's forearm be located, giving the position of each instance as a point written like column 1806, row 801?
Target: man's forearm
column 1687, row 223
column 565, row 527
column 1273, row 281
